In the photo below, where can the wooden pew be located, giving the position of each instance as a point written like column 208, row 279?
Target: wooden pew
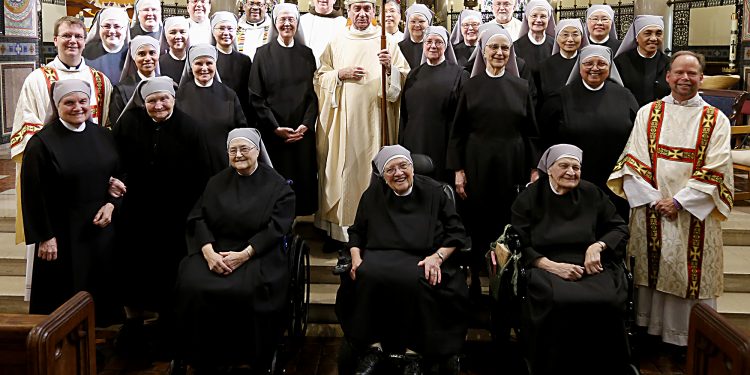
column 60, row 343
column 715, row 347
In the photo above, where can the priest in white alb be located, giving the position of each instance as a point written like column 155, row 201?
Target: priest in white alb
column 348, row 83
column 320, row 26
column 254, row 27
column 676, row 173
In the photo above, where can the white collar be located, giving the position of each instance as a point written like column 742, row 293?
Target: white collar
column 502, row 73
column 266, row 21
column 553, row 188
column 59, row 65
column 442, row 58
column 281, row 42
column 575, row 54
column 696, row 101
column 366, row 31
column 224, row 53
column 205, row 23
column 168, row 117
column 469, row 45
column 211, row 82
column 533, row 40
column 118, row 49
column 414, row 41
column 408, row 192
column 644, row 56
column 153, row 74
column 606, row 38
column 72, row 128
column 175, row 57
column 586, row 85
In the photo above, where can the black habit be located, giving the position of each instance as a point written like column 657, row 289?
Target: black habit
column 463, row 53
column 121, row 94
column 138, row 30
column 390, row 301
column 217, row 110
column 491, row 141
column 164, row 174
column 553, row 75
column 533, row 54
column 612, row 43
column 65, row 178
column 108, row 63
column 572, row 324
column 428, row 104
column 598, row 122
column 171, row 67
column 227, row 319
column 281, row 89
column 412, row 52
column 234, row 70
column 645, row 77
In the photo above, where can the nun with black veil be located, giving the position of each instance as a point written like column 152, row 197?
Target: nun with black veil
column 176, row 37
column 464, row 38
column 404, row 293
column 418, row 18
column 572, row 241
column 214, row 106
column 232, row 286
column 594, row 112
column 142, row 63
column 535, row 42
column 107, row 43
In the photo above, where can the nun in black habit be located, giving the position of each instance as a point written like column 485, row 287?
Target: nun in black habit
column 464, row 39
column 163, row 162
column 641, row 62
column 555, row 70
column 535, row 42
column 214, row 106
column 147, row 20
column 429, row 99
column 143, row 63
column 281, row 90
column 107, row 43
column 418, row 18
column 175, row 36
column 404, row 293
column 572, row 242
column 490, row 148
column 233, row 67
column 67, row 209
column 600, row 23
column 232, row 286
column 594, row 112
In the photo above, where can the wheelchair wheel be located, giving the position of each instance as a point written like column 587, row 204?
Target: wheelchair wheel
column 299, row 288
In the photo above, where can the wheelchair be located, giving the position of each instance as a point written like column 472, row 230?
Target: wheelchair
column 348, row 354
column 507, row 310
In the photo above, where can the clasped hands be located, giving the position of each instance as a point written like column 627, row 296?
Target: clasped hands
column 291, row 135
column 667, row 208
column 431, row 264
column 356, row 73
column 592, row 265
column 225, row 262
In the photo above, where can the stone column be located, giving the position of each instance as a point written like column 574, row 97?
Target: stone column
column 657, row 8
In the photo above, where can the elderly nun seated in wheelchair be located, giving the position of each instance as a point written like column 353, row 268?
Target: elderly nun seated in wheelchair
column 404, row 294
column 232, row 287
column 572, row 238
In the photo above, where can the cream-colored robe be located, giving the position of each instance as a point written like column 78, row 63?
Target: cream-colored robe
column 689, row 157
column 348, row 129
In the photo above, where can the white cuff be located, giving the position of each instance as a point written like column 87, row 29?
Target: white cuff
column 698, row 203
column 638, row 192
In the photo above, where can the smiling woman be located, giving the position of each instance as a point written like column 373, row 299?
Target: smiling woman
column 104, row 44
column 144, row 63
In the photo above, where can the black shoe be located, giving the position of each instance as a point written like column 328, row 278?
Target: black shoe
column 369, row 362
column 411, row 364
column 343, row 265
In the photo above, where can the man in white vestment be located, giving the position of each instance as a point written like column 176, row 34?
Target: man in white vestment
column 393, row 19
column 348, row 129
column 320, row 26
column 200, row 24
column 34, row 106
column 503, row 11
column 676, row 173
column 254, row 27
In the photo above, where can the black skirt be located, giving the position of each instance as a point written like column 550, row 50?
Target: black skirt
column 392, row 303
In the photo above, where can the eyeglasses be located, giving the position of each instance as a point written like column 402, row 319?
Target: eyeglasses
column 404, row 166
column 255, row 4
column 472, row 25
column 569, row 35
column 592, row 64
column 111, row 27
column 242, row 150
column 505, row 4
column 436, row 43
column 72, row 37
column 224, row 28
column 417, row 22
column 496, row 47
column 604, row 20
column 283, row 20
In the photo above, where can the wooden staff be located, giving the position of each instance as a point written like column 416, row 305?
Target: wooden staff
column 384, row 139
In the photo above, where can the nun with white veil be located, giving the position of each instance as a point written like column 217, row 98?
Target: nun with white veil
column 107, row 43
column 232, row 286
